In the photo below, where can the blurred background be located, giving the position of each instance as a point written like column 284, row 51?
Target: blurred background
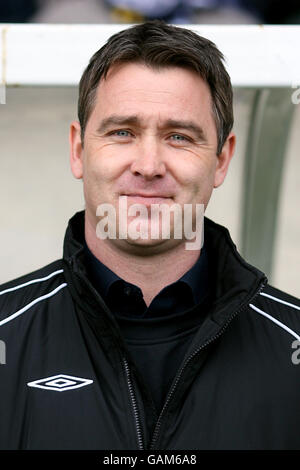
column 38, row 193
column 133, row 11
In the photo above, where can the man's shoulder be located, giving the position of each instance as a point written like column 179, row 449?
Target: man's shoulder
column 280, row 307
column 29, row 288
column 280, row 297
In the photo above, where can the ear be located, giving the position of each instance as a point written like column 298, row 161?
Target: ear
column 223, row 160
column 76, row 150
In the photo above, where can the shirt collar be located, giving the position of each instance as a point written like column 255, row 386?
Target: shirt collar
column 100, row 275
column 196, row 278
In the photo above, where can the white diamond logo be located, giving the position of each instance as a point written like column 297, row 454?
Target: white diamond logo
column 60, row 383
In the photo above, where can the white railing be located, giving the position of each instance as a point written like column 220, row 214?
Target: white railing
column 43, row 54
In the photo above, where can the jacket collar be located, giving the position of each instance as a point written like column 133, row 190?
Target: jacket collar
column 234, row 280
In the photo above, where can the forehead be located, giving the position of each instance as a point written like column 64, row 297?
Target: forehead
column 131, row 86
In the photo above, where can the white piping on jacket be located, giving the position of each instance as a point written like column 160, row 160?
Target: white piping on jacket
column 281, row 301
column 31, row 282
column 35, row 301
column 282, row 325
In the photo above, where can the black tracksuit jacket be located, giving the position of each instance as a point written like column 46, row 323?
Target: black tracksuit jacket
column 69, row 381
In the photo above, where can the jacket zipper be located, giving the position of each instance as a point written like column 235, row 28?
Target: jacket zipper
column 171, row 392
column 197, row 351
column 134, row 406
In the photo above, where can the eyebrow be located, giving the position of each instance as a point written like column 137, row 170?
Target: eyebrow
column 187, row 125
column 169, row 123
column 117, row 120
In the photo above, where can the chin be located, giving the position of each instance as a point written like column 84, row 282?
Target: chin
column 142, row 247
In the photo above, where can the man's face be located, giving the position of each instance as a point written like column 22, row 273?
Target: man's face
column 152, row 137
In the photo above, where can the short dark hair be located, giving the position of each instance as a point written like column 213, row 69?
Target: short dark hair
column 157, row 44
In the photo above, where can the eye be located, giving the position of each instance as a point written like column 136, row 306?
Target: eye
column 121, row 133
column 179, row 138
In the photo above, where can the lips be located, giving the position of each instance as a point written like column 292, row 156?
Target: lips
column 146, row 195
column 147, row 199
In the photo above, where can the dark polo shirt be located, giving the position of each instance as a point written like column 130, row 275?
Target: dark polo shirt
column 159, row 335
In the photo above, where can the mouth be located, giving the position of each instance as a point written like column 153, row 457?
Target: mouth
column 146, row 199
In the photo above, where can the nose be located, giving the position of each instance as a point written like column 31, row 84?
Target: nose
column 148, row 161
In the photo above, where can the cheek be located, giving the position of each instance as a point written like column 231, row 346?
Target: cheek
column 102, row 164
column 196, row 173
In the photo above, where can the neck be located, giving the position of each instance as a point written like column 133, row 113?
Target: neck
column 149, row 268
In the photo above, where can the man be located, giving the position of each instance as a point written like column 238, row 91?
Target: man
column 140, row 343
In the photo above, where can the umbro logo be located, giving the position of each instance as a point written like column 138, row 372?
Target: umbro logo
column 60, row 383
